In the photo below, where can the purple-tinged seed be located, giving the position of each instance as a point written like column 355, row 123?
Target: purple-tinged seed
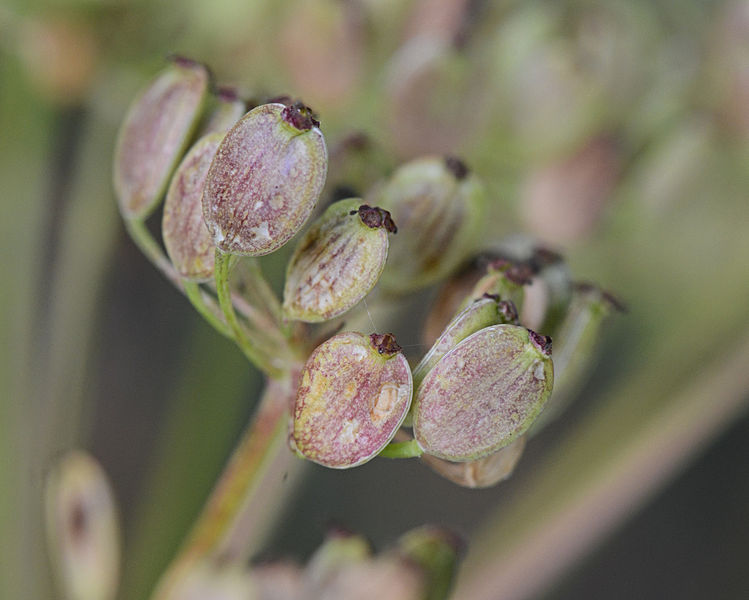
column 186, row 238
column 335, row 264
column 265, row 180
column 154, row 134
column 482, row 395
column 354, row 393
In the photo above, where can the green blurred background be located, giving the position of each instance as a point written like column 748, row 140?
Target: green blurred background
column 616, row 132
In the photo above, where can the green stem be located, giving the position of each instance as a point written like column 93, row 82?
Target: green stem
column 222, row 268
column 194, row 295
column 153, row 252
column 408, row 449
column 244, row 500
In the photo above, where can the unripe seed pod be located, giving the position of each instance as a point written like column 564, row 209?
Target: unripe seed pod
column 484, row 312
column 339, row 551
column 354, row 393
column 337, row 262
column 437, row 551
column 484, row 393
column 154, row 134
column 186, row 238
column 482, row 472
column 579, row 333
column 438, row 205
column 82, row 528
column 265, row 179
column 382, row 577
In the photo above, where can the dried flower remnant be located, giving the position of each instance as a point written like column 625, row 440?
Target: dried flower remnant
column 186, row 238
column 483, row 472
column 265, row 179
column 82, row 528
column 354, row 393
column 484, row 393
column 155, row 133
column 337, row 262
column 437, row 204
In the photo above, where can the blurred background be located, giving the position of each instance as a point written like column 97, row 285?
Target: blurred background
column 615, row 132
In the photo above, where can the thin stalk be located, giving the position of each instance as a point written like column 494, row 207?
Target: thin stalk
column 222, row 268
column 265, row 292
column 534, row 541
column 197, row 298
column 236, row 516
column 408, row 449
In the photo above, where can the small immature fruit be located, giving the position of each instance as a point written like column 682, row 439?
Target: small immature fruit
column 337, row 262
column 484, row 393
column 578, row 335
column 154, row 134
column 437, row 204
column 83, row 531
column 188, row 243
column 354, row 393
column 265, row 179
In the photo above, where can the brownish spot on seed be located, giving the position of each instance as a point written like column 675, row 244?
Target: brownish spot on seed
column 457, row 167
column 300, row 116
column 385, row 343
column 542, row 342
column 374, row 217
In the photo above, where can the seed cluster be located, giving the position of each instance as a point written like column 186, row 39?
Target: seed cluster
column 249, row 183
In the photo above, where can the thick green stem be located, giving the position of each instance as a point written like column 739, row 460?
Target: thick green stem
column 408, row 449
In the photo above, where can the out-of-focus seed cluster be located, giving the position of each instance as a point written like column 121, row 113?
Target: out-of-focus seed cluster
column 419, row 566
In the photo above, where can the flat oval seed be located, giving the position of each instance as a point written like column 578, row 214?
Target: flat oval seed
column 265, row 180
column 354, row 393
column 335, row 264
column 186, row 238
column 484, row 393
column 154, row 134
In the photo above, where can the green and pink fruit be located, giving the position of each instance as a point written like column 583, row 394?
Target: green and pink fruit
column 337, row 262
column 265, row 179
column 186, row 238
column 484, row 393
column 155, row 133
column 354, row 393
